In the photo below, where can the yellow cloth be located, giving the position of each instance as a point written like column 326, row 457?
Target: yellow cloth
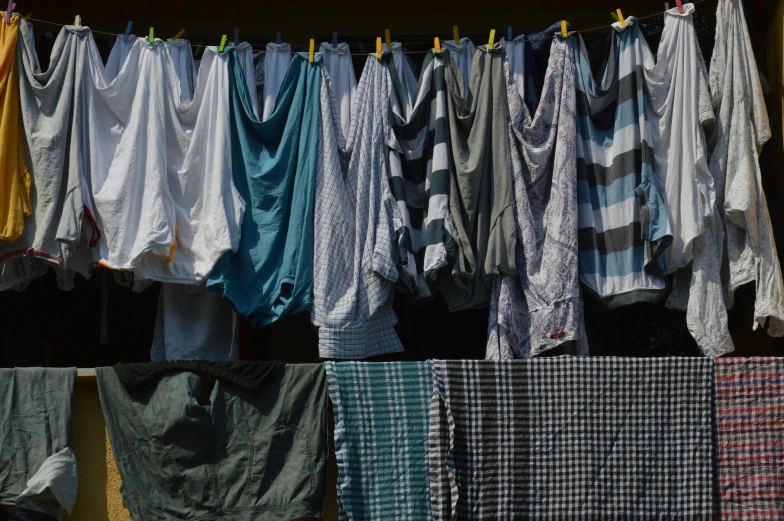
column 14, row 177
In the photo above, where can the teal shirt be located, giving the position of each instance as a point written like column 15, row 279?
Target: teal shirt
column 274, row 169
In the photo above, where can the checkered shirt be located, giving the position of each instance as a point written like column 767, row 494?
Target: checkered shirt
column 748, row 428
column 381, row 431
column 356, row 224
column 572, row 439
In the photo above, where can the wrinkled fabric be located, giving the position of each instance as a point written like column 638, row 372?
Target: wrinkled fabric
column 355, row 254
column 245, row 60
column 182, row 59
column 541, row 308
column 741, row 129
column 38, row 470
column 748, row 449
column 481, row 202
column 270, row 275
column 407, row 87
column 421, row 176
column 571, row 438
column 237, row 454
column 381, row 404
column 623, row 226
column 14, row 177
column 463, row 54
column 276, row 62
column 337, row 61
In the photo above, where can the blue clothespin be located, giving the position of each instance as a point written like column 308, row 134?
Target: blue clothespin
column 278, row 38
column 9, row 11
column 236, row 36
column 509, row 33
column 362, row 48
column 128, row 28
column 50, row 36
column 334, row 39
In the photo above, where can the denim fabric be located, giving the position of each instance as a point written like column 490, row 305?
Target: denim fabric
column 248, row 452
column 37, row 469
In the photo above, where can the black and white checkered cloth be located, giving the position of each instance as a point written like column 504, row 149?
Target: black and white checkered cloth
column 572, row 439
column 356, row 224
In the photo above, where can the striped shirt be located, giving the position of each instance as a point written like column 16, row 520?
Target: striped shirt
column 420, row 177
column 623, row 226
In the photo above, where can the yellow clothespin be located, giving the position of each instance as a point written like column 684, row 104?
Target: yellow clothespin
column 491, row 40
column 378, row 47
column 388, row 38
column 564, row 32
column 151, row 39
column 312, row 50
column 455, row 34
column 179, row 34
column 437, row 44
column 222, row 44
column 620, row 18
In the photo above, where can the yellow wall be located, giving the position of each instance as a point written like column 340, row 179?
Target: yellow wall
column 99, row 496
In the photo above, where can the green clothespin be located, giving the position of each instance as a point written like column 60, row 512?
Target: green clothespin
column 614, row 16
column 223, row 43
column 198, row 50
column 151, row 39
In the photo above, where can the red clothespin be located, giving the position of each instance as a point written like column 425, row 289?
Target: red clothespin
column 9, row 11
column 680, row 6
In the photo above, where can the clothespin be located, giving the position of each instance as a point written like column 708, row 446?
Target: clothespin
column 78, row 21
column 388, row 38
column 49, row 36
column 362, row 48
column 128, row 28
column 222, row 45
column 312, row 51
column 614, row 16
column 334, row 39
column 621, row 20
column 680, row 6
column 9, row 11
column 455, row 34
column 564, row 32
column 437, row 44
column 378, row 47
column 236, row 36
column 666, row 6
column 179, row 35
column 278, row 38
column 151, row 38
column 28, row 16
column 491, row 40
column 509, row 36
column 197, row 51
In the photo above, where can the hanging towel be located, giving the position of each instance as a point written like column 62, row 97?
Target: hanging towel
column 14, row 177
column 271, row 273
column 623, row 227
column 421, row 176
column 337, row 61
column 182, row 58
column 541, row 308
column 119, row 53
column 463, row 53
column 572, row 438
column 355, row 260
column 741, row 129
column 481, row 203
column 38, row 470
column 748, row 447
column 257, row 451
column 161, row 179
column 381, row 405
column 274, row 66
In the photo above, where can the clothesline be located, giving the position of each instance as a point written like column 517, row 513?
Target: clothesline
column 205, row 44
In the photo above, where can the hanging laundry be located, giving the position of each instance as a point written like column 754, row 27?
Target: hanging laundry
column 542, row 307
column 748, row 455
column 257, row 451
column 274, row 65
column 38, row 471
column 163, row 194
column 586, row 438
column 194, row 324
column 381, row 404
column 184, row 66
column 337, row 61
column 481, row 204
column 14, row 177
column 270, row 275
column 355, row 258
column 463, row 53
column 741, row 129
column 407, row 87
column 245, row 60
column 56, row 107
column 119, row 53
column 421, row 176
column 622, row 216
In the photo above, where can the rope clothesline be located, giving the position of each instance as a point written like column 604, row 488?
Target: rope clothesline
column 207, row 44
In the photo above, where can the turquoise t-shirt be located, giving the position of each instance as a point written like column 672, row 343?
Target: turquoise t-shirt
column 274, row 169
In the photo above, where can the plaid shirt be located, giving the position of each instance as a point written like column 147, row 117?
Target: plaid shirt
column 356, row 224
column 381, row 430
column 572, row 439
column 748, row 444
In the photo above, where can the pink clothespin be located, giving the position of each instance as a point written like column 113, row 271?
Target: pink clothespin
column 680, row 6
column 9, row 11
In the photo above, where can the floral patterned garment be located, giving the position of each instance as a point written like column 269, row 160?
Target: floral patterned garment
column 741, row 129
column 541, row 308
